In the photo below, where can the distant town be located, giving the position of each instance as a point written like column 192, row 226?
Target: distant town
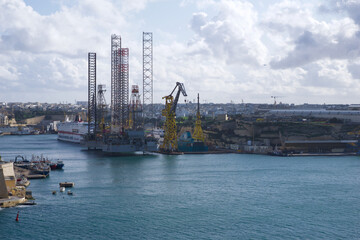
column 245, row 127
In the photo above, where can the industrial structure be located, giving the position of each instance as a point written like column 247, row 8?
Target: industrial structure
column 92, row 123
column 170, row 136
column 198, row 134
column 124, row 88
column 196, row 142
column 101, row 109
column 126, row 135
column 135, row 108
column 115, row 81
column 148, row 73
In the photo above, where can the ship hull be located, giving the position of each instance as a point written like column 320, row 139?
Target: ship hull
column 73, row 132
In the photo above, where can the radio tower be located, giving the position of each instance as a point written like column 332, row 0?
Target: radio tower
column 92, row 95
column 148, row 73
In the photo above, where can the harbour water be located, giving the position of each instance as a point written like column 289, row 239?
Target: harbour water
column 229, row 196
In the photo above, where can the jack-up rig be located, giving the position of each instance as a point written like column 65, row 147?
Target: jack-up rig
column 124, row 134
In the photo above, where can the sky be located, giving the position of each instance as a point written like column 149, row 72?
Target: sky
column 226, row 50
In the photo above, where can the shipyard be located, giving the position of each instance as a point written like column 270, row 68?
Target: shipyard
column 133, row 125
column 159, row 119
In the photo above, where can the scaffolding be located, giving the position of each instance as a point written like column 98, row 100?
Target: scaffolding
column 124, row 88
column 92, row 95
column 148, row 73
column 115, row 82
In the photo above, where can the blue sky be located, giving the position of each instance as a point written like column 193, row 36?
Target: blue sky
column 227, row 50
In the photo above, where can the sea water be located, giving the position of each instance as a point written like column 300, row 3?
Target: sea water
column 225, row 196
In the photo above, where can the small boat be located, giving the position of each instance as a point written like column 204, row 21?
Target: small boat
column 69, row 193
column 62, row 189
column 59, row 165
column 67, row 184
column 45, row 160
column 53, row 166
column 42, row 169
column 56, row 165
column 28, row 203
column 23, row 181
column 54, row 192
column 36, row 176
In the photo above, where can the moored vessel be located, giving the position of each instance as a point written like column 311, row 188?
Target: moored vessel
column 72, row 131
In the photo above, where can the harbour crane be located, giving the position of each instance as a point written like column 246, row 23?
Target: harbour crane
column 170, row 137
column 198, row 134
column 275, row 97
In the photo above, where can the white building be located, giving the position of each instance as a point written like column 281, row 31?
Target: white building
column 4, row 120
column 352, row 116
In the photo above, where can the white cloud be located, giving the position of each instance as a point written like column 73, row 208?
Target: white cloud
column 311, row 39
column 227, row 57
column 232, row 35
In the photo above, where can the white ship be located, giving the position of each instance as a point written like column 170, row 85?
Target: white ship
column 72, row 131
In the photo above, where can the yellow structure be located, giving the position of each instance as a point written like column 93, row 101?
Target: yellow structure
column 130, row 121
column 170, row 138
column 198, row 134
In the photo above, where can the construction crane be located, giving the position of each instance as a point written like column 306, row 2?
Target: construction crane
column 275, row 97
column 170, row 138
column 198, row 134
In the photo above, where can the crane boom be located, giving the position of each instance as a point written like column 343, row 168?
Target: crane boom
column 181, row 88
column 170, row 138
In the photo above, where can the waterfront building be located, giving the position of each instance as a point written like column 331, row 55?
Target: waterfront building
column 346, row 115
column 322, row 146
column 3, row 189
column 4, row 120
column 7, row 177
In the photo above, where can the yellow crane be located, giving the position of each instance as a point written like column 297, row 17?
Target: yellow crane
column 198, row 134
column 170, row 137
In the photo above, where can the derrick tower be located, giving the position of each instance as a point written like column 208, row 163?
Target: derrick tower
column 135, row 108
column 119, row 84
column 148, row 73
column 101, row 106
column 92, row 95
column 198, row 134
column 115, row 81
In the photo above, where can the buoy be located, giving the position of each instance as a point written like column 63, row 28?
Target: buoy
column 17, row 217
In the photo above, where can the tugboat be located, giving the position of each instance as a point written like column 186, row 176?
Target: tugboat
column 57, row 166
